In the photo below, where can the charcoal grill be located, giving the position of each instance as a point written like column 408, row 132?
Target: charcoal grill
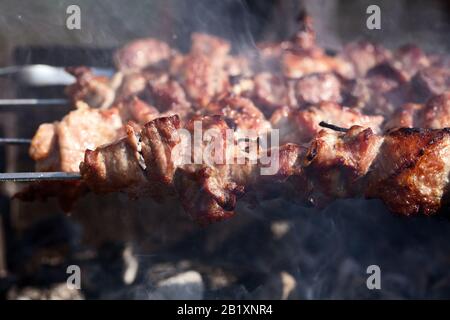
column 325, row 254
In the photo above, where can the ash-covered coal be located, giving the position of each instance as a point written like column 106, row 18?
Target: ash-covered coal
column 279, row 251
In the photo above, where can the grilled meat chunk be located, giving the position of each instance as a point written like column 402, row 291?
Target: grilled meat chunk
column 299, row 126
column 429, row 82
column 435, row 114
column 202, row 78
column 96, row 91
column 405, row 117
column 136, row 110
column 127, row 164
column 386, row 89
column 364, row 56
column 298, row 64
column 202, row 73
column 60, row 146
column 406, row 168
column 336, row 164
column 169, row 96
column 140, row 54
column 272, row 91
column 411, row 172
column 409, row 59
column 318, row 87
column 240, row 113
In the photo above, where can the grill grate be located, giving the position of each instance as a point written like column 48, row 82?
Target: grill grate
column 34, row 106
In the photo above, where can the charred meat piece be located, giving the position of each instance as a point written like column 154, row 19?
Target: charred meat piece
column 409, row 59
column 169, row 96
column 336, row 164
column 298, row 64
column 144, row 163
column 128, row 164
column 405, row 117
column 60, row 146
column 203, row 79
column 140, row 54
column 240, row 113
column 299, row 126
column 435, row 114
column 204, row 194
column 132, row 84
column 202, row 73
column 364, row 56
column 406, row 168
column 318, row 87
column 207, row 190
column 43, row 148
column 387, row 89
column 205, row 44
column 272, row 91
column 136, row 110
column 123, row 171
column 429, row 82
column 411, row 172
column 96, row 91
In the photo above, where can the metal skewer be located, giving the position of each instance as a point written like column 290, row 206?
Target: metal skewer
column 38, row 176
column 32, row 102
column 332, row 126
column 13, row 141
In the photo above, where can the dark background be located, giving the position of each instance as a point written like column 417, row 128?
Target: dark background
column 109, row 23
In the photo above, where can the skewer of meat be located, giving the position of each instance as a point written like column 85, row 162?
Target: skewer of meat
column 406, row 168
column 295, row 84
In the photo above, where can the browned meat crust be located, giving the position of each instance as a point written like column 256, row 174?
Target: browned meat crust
column 435, row 114
column 96, row 91
column 364, row 56
column 429, row 82
column 132, row 139
column 336, row 164
column 406, row 168
column 318, row 87
column 240, row 113
column 412, row 170
column 60, row 146
column 299, row 126
column 140, row 54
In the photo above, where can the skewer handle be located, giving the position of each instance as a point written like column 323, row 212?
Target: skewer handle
column 4, row 141
column 32, row 102
column 38, row 176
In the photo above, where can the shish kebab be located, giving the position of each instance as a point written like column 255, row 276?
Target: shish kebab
column 406, row 168
column 201, row 77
